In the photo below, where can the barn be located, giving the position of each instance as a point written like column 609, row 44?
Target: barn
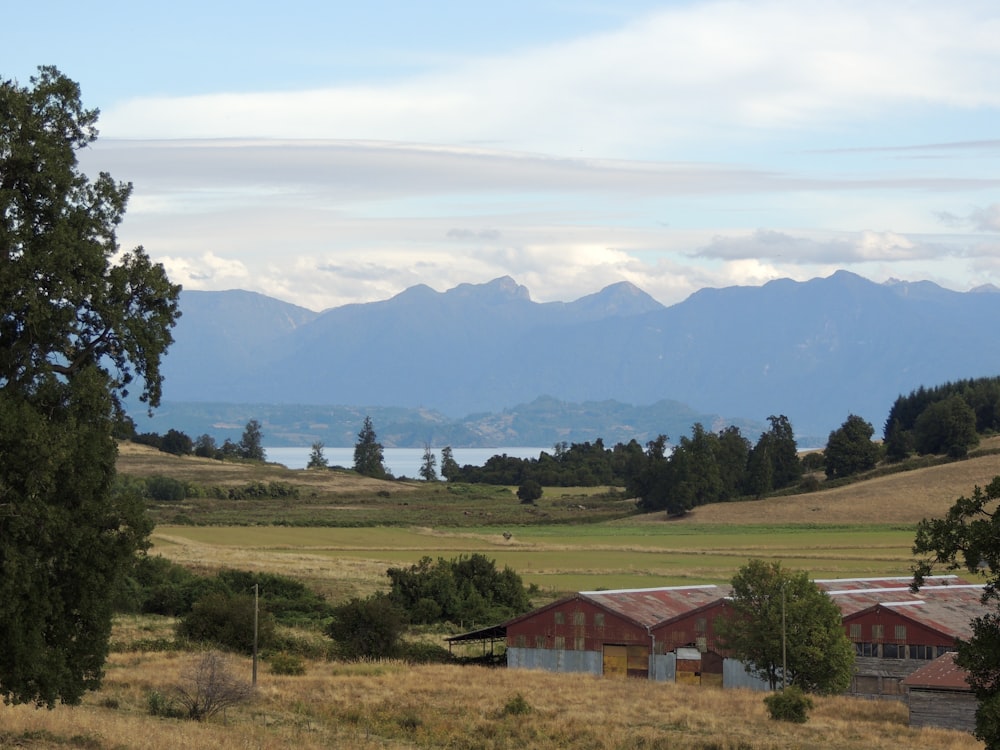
column 939, row 696
column 663, row 634
column 896, row 631
column 668, row 634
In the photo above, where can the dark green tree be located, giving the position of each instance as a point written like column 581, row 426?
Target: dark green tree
column 205, row 447
column 529, row 491
column 252, row 443
column 368, row 452
column 79, row 323
column 177, row 443
column 969, row 537
column 849, row 449
column 784, row 453
column 947, row 427
column 427, row 470
column 450, row 469
column 367, row 628
column 316, row 458
column 818, row 655
column 226, row 619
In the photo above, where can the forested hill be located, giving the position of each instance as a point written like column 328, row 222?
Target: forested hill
column 815, row 351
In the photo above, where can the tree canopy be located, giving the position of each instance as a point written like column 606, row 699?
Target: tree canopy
column 849, row 449
column 368, row 452
column 781, row 617
column 969, row 537
column 80, row 323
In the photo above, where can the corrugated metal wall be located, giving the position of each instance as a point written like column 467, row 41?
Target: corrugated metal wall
column 554, row 660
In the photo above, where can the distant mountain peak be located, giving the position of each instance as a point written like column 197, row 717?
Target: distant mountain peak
column 502, row 288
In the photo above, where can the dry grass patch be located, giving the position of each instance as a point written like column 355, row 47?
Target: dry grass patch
column 389, row 704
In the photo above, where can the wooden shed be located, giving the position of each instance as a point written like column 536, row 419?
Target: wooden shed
column 939, row 696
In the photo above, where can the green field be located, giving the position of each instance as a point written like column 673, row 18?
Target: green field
column 567, row 558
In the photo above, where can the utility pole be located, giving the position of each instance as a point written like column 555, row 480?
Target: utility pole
column 256, row 593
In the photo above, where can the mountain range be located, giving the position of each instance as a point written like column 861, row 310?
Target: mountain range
column 483, row 364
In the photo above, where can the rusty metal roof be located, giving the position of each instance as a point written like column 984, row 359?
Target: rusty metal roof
column 652, row 606
column 942, row 674
column 946, row 609
column 901, row 583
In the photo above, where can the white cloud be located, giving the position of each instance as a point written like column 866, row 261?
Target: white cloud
column 682, row 72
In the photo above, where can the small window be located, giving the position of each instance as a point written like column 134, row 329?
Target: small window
column 560, row 618
column 521, row 641
column 581, row 644
column 579, row 618
column 892, row 651
column 560, row 643
column 539, row 641
column 700, row 625
column 878, row 632
column 901, row 633
column 855, row 633
column 866, row 649
column 599, row 619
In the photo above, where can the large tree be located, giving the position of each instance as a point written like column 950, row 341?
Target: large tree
column 849, row 449
column 969, row 537
column 252, row 442
column 779, row 617
column 80, row 322
column 368, row 452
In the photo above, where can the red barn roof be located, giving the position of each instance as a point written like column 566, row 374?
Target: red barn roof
column 941, row 674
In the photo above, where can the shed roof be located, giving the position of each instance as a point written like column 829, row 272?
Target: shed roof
column 652, row 606
column 947, row 609
column 941, row 674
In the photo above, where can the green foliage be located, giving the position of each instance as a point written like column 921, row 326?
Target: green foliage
column 316, row 458
column 790, row 704
column 165, row 489
column 771, row 606
column 467, row 589
column 529, row 492
column 517, row 705
column 252, row 443
column 427, row 471
column 75, row 331
column 947, row 426
column 450, row 469
column 969, row 537
column 367, row 628
column 849, row 449
column 286, row 664
column 177, row 443
column 162, row 705
column 227, row 620
column 368, row 452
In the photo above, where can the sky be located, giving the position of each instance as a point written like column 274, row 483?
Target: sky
column 327, row 153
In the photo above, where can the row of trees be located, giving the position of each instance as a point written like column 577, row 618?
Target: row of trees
column 250, row 446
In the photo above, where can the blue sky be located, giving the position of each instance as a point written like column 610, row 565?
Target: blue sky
column 329, row 153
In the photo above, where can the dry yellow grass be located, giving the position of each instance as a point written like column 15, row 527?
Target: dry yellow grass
column 392, row 705
column 903, row 498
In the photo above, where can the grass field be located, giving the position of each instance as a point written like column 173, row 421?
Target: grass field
column 574, row 540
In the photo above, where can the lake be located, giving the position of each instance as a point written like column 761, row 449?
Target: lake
column 401, row 462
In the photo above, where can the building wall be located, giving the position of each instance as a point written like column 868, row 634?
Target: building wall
column 888, row 648
column 575, row 625
column 553, row 660
column 948, row 709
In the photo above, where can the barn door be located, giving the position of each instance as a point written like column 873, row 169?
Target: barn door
column 615, row 661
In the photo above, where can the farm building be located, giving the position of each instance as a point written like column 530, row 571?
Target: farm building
column 939, row 696
column 895, row 631
column 663, row 634
column 668, row 634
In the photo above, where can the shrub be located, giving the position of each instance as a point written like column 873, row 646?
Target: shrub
column 367, row 627
column 529, row 492
column 165, row 489
column 287, row 664
column 226, row 620
column 516, row 706
column 790, row 704
column 210, row 686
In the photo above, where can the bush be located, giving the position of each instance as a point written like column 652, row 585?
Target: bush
column 211, row 686
column 226, row 620
column 287, row 664
column 516, row 706
column 790, row 704
column 367, row 628
column 165, row 489
column 529, row 492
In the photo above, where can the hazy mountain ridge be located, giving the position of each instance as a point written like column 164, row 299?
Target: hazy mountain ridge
column 815, row 351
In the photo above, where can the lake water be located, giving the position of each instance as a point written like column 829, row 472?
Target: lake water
column 401, row 462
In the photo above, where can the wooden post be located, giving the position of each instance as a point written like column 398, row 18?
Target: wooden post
column 256, row 592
